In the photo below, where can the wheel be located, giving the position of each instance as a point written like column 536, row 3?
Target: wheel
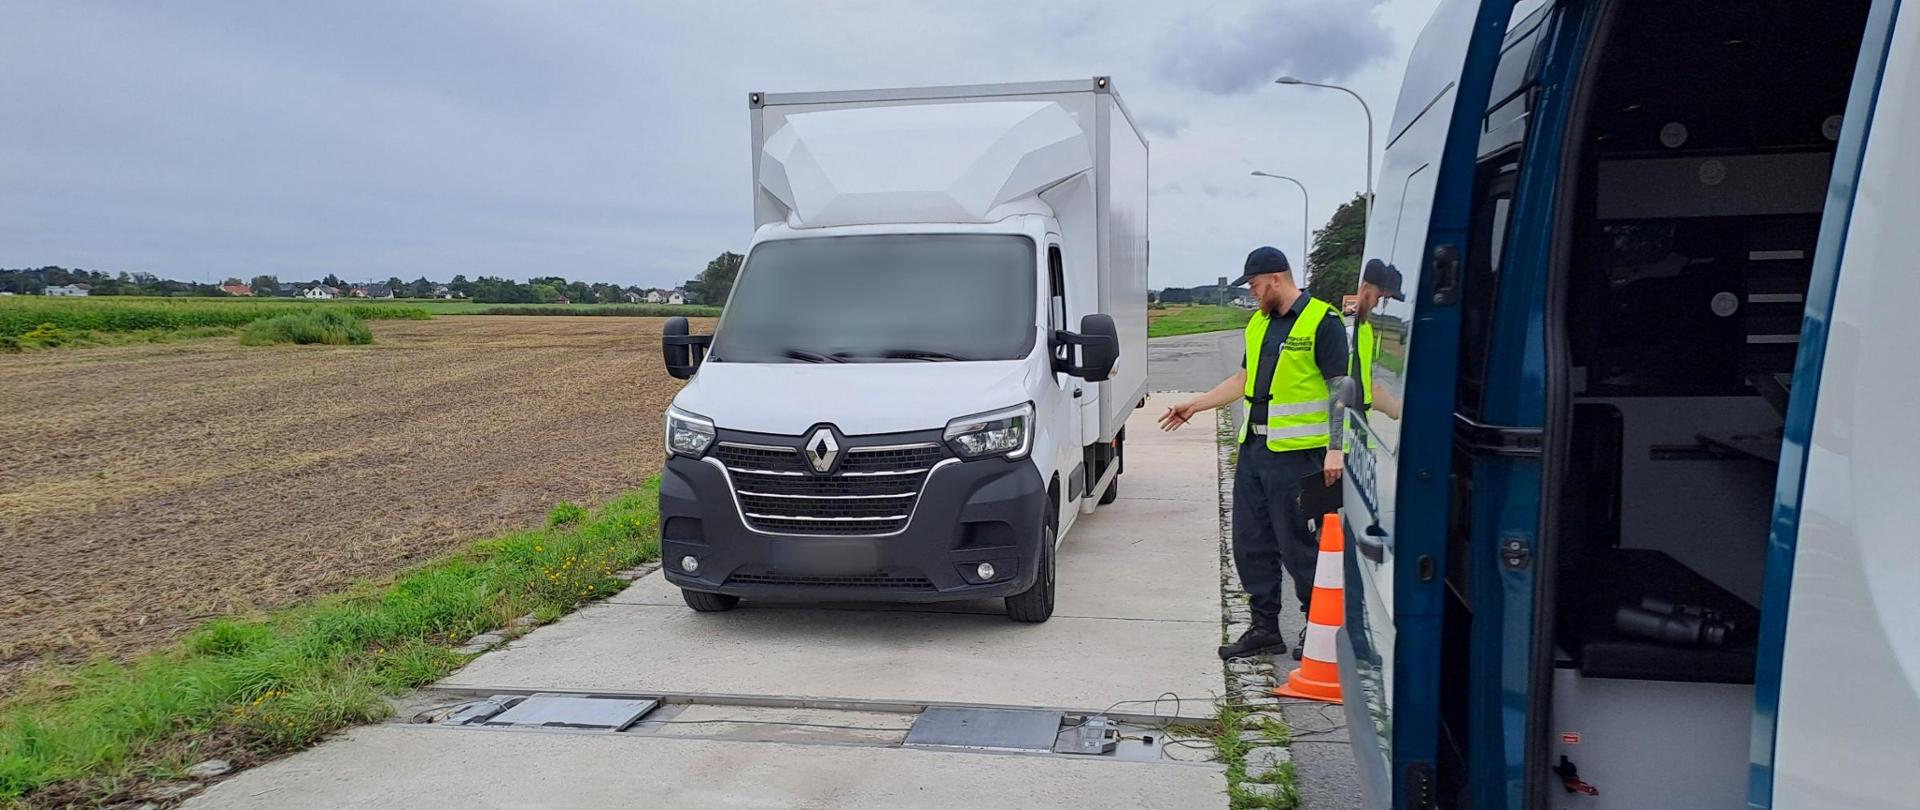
column 1035, row 604
column 709, row 602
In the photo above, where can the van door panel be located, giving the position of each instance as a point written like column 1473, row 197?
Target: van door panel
column 1401, row 449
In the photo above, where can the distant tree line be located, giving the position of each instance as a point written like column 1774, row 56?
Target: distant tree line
column 1334, row 262
column 711, row 286
column 33, row 281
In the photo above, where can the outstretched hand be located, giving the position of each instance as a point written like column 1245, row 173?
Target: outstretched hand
column 1177, row 416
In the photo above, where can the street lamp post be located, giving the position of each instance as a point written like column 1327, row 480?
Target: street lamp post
column 1290, row 80
column 1306, row 205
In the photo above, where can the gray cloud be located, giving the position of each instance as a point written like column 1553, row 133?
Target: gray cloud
column 1324, row 40
column 1162, row 124
column 601, row 140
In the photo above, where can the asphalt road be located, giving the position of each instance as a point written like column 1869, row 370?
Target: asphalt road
column 1194, row 362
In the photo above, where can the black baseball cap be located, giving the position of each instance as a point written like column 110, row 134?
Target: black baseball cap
column 1385, row 276
column 1261, row 262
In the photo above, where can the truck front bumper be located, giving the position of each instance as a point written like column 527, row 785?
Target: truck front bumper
column 968, row 513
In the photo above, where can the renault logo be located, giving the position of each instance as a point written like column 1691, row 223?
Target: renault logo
column 821, row 450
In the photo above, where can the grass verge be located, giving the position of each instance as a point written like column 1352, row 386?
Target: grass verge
column 247, row 689
column 1232, row 750
column 323, row 326
column 1193, row 319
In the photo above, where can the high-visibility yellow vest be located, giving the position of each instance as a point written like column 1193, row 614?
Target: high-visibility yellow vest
column 1297, row 404
column 1367, row 348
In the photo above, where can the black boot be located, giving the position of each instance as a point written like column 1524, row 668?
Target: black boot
column 1262, row 638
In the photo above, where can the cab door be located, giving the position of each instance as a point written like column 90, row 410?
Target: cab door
column 1071, row 392
column 1396, row 509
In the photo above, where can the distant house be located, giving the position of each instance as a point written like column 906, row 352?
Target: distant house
column 441, row 291
column 656, row 297
column 375, row 291
column 677, row 297
column 286, row 291
column 321, row 292
column 236, row 289
column 69, row 291
column 632, row 297
column 561, row 299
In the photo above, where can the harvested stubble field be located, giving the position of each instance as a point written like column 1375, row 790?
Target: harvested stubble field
column 149, row 487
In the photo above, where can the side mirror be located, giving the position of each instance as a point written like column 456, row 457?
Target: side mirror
column 1099, row 348
column 683, row 352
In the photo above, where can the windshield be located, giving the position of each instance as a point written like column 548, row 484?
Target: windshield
column 883, row 298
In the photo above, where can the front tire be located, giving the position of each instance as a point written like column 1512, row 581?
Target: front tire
column 704, row 602
column 1035, row 604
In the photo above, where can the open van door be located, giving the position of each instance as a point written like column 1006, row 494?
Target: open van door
column 1400, row 450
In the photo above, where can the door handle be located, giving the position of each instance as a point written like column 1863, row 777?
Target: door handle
column 1372, row 543
column 1077, row 392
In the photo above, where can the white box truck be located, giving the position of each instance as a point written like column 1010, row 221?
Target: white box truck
column 924, row 370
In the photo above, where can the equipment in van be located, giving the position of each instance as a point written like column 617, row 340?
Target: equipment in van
column 1683, row 624
column 1657, row 340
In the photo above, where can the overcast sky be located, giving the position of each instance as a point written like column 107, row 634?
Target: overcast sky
column 608, row 141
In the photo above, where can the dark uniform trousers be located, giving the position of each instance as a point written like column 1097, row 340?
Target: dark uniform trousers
column 1267, row 536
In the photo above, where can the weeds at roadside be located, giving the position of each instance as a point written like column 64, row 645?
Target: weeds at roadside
column 1233, row 749
column 250, row 688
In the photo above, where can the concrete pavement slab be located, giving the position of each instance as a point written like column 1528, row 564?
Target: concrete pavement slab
column 860, row 655
column 426, row 767
column 1137, row 616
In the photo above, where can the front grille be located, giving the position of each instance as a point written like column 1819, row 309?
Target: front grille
column 901, row 458
column 890, row 583
column 873, row 491
column 744, row 457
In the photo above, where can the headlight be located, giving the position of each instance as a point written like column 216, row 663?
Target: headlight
column 687, row 435
column 1006, row 432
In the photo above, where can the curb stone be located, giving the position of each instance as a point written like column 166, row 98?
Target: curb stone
column 1248, row 682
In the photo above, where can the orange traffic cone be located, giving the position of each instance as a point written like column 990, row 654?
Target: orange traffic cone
column 1318, row 677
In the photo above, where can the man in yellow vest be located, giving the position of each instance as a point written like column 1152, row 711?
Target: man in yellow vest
column 1378, row 281
column 1295, row 365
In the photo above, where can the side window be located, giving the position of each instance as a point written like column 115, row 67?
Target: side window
column 1493, row 202
column 1057, row 290
column 1056, row 302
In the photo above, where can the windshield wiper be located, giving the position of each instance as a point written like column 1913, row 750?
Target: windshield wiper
column 921, row 354
column 811, row 356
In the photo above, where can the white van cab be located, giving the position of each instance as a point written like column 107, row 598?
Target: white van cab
column 927, row 361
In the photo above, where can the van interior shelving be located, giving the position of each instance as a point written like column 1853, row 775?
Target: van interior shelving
column 1702, row 160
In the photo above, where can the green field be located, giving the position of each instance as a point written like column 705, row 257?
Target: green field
column 1188, row 319
column 22, row 314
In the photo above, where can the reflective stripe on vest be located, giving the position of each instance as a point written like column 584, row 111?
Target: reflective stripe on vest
column 1297, row 397
column 1367, row 348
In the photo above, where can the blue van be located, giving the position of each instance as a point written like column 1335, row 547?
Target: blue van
column 1631, row 524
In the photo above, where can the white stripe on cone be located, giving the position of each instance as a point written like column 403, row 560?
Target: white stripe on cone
column 1330, row 571
column 1320, row 642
